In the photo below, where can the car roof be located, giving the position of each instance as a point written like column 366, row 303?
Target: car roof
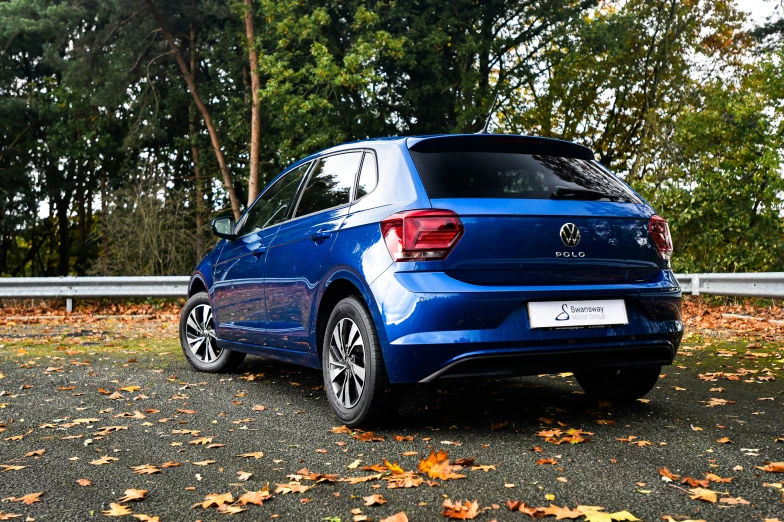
column 466, row 142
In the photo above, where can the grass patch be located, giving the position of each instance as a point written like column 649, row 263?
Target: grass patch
column 69, row 347
column 709, row 354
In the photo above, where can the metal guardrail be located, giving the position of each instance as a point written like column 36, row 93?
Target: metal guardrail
column 761, row 284
column 752, row 284
column 86, row 287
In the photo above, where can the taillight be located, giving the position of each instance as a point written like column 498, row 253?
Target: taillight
column 659, row 231
column 421, row 235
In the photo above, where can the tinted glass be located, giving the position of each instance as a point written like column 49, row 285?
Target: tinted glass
column 271, row 208
column 511, row 175
column 329, row 185
column 368, row 176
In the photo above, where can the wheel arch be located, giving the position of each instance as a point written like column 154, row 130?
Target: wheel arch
column 337, row 287
column 196, row 285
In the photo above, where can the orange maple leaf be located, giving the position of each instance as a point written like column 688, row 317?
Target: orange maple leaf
column 437, row 466
column 773, row 467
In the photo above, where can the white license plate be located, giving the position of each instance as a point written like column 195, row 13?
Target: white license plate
column 560, row 314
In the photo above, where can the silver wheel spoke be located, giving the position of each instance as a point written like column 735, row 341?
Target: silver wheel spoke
column 194, row 343
column 354, row 339
column 210, row 355
column 358, row 371
column 337, row 342
column 336, row 371
column 344, row 393
column 192, row 322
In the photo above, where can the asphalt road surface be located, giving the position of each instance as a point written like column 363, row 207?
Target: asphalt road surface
column 67, row 399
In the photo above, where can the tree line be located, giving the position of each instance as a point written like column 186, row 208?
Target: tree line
column 126, row 125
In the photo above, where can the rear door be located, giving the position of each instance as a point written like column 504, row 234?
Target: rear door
column 296, row 257
column 238, row 291
column 545, row 216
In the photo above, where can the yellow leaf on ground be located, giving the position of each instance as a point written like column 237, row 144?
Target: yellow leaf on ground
column 214, row 499
column 256, row 455
column 133, row 494
column 291, row 487
column 372, row 500
column 459, row 510
column 103, row 460
column 116, row 510
column 145, row 469
column 255, row 497
column 707, row 495
column 394, row 468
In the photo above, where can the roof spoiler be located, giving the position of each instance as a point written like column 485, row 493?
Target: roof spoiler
column 500, row 143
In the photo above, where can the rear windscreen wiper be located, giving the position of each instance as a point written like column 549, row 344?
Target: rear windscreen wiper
column 581, row 193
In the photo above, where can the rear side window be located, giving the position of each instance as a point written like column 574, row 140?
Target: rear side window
column 330, row 183
column 368, row 176
column 512, row 175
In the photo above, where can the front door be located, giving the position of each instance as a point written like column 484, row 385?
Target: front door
column 296, row 256
column 238, row 292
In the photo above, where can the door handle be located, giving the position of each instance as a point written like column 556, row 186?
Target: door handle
column 259, row 250
column 321, row 234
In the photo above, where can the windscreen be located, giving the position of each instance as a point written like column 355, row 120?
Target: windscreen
column 472, row 174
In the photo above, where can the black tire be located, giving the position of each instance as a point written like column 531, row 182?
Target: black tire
column 216, row 361
column 624, row 385
column 375, row 399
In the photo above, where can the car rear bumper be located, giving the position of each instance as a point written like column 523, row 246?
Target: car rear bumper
column 437, row 327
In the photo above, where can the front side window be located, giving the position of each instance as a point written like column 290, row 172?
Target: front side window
column 273, row 206
column 329, row 185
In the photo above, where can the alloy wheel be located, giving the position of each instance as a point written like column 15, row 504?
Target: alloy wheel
column 200, row 334
column 347, row 362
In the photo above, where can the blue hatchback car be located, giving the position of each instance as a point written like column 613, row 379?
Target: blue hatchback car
column 416, row 259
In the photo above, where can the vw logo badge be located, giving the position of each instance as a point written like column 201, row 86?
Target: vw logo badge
column 570, row 234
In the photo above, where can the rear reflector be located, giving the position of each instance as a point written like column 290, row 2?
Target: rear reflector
column 659, row 230
column 421, row 235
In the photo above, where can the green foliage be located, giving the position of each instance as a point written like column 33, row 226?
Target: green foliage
column 723, row 187
column 92, row 102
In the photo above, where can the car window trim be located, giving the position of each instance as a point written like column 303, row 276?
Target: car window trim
column 310, row 173
column 354, row 198
column 288, row 215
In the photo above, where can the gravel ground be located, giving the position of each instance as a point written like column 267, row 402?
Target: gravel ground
column 58, row 394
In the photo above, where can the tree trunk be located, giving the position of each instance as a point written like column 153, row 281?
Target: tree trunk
column 81, row 210
column 63, row 204
column 255, row 118
column 192, row 132
column 104, row 210
column 205, row 114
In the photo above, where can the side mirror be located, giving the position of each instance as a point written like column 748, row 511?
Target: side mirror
column 224, row 227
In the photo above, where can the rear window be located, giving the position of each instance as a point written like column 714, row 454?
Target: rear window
column 474, row 174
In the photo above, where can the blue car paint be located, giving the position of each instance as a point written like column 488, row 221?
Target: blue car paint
column 426, row 317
